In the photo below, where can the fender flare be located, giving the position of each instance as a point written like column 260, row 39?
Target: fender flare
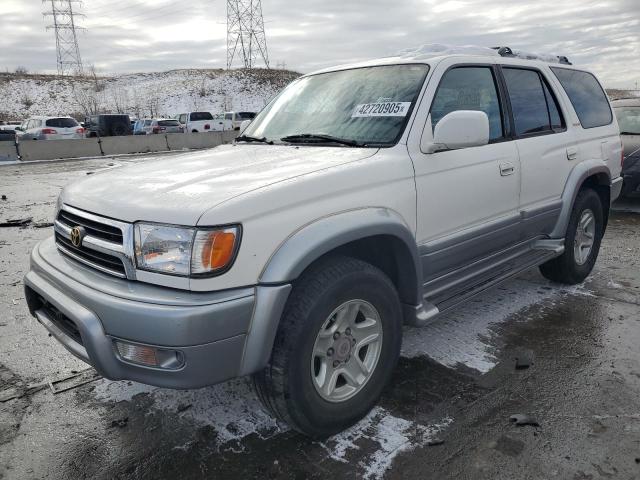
column 321, row 236
column 576, row 179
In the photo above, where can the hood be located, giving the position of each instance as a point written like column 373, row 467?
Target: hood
column 178, row 189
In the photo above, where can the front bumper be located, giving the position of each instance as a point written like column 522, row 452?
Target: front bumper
column 87, row 311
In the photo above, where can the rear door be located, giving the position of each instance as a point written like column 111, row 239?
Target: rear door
column 547, row 149
column 467, row 198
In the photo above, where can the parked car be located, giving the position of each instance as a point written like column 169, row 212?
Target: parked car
column 142, row 126
column 166, row 125
column 628, row 113
column 49, row 128
column 233, row 120
column 10, row 125
column 194, row 122
column 108, row 125
column 360, row 199
column 7, row 135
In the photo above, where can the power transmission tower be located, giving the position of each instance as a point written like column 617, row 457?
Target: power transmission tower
column 245, row 33
column 64, row 24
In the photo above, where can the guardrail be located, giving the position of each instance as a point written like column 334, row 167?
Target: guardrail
column 95, row 147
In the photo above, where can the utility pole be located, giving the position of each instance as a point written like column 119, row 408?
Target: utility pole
column 64, row 24
column 245, row 33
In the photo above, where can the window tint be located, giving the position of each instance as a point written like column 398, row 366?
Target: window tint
column 468, row 88
column 528, row 101
column 168, row 123
column 62, row 122
column 587, row 97
column 197, row 116
column 555, row 117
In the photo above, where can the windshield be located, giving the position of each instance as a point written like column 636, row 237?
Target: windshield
column 628, row 119
column 246, row 115
column 62, row 122
column 367, row 105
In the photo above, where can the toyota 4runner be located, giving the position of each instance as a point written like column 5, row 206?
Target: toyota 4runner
column 362, row 198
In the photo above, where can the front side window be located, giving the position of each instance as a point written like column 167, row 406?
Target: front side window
column 228, row 116
column 534, row 108
column 469, row 88
column 586, row 95
column 628, row 120
column 366, row 106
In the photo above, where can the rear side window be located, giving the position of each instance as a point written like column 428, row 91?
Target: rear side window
column 587, row 97
column 533, row 106
column 62, row 122
column 469, row 88
column 198, row 116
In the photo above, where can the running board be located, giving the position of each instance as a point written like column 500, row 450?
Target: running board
column 493, row 278
column 555, row 245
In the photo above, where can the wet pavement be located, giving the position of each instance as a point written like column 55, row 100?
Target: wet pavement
column 445, row 415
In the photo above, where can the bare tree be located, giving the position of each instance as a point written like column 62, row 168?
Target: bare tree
column 120, row 99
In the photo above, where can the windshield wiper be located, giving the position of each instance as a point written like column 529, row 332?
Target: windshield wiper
column 629, row 133
column 247, row 138
column 320, row 138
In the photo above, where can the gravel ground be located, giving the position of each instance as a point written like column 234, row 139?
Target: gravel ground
column 445, row 415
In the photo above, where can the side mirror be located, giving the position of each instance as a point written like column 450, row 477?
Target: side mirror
column 459, row 129
column 19, row 129
column 244, row 125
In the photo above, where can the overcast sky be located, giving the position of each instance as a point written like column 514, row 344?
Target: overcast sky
column 156, row 35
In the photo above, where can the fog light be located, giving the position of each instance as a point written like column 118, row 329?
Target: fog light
column 149, row 356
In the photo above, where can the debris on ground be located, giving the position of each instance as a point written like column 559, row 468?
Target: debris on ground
column 521, row 420
column 42, row 224
column 524, row 359
column 4, row 197
column 120, row 423
column 17, row 222
column 73, row 381
column 434, row 442
column 184, row 407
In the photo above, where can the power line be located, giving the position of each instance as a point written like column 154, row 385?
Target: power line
column 245, row 33
column 64, row 25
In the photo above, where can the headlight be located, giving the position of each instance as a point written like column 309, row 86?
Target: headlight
column 185, row 251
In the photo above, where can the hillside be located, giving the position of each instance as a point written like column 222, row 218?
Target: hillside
column 161, row 94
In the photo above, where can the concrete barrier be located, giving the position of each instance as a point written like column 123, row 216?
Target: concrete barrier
column 93, row 147
column 52, row 149
column 133, row 144
column 8, row 152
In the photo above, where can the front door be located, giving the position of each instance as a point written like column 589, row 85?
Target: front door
column 468, row 199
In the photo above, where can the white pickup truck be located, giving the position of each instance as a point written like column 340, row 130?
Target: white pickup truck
column 194, row 122
column 362, row 198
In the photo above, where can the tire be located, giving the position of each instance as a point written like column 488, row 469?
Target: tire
column 289, row 386
column 569, row 268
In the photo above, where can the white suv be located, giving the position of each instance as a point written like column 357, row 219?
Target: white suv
column 362, row 197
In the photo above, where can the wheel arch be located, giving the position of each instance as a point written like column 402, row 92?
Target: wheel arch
column 590, row 174
column 376, row 235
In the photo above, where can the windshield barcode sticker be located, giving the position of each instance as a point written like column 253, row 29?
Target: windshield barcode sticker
column 383, row 109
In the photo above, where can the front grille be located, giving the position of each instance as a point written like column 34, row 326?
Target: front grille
column 93, row 228
column 108, row 262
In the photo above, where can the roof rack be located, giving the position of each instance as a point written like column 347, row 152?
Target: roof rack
column 508, row 52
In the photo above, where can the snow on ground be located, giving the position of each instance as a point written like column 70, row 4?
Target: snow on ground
column 161, row 94
column 459, row 337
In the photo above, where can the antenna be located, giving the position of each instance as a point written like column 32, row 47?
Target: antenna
column 245, row 33
column 68, row 53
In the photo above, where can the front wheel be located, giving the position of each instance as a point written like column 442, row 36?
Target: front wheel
column 582, row 241
column 336, row 347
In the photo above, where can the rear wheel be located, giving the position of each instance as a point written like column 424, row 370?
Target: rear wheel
column 336, row 347
column 582, row 241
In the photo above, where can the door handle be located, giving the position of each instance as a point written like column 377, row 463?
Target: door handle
column 572, row 153
column 507, row 169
